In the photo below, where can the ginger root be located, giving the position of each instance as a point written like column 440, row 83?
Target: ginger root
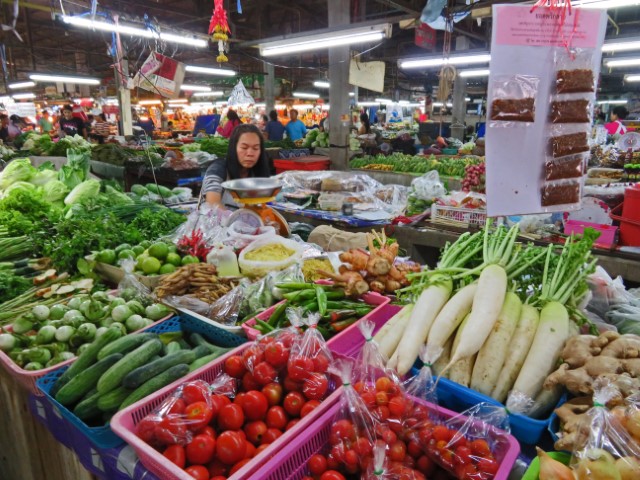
column 574, row 432
column 579, row 349
column 625, row 346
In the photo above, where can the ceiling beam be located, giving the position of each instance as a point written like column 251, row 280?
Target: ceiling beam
column 400, row 5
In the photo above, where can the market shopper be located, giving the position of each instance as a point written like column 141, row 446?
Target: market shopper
column 4, row 128
column 70, row 125
column 616, row 127
column 233, row 120
column 100, row 130
column 295, row 128
column 365, row 125
column 274, row 128
column 246, row 158
column 44, row 123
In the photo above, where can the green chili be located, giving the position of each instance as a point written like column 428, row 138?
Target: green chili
column 263, row 326
column 321, row 296
column 277, row 313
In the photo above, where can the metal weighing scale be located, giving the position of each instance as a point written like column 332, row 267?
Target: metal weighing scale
column 254, row 194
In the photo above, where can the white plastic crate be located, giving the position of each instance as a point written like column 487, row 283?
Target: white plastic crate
column 466, row 216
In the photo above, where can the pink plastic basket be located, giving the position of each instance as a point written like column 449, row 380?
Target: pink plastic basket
column 124, row 425
column 342, row 343
column 607, row 238
column 290, row 463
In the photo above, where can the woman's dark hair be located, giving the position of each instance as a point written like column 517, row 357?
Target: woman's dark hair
column 68, row 107
column 364, row 118
column 602, row 117
column 261, row 168
column 232, row 115
column 273, row 115
column 265, row 118
column 621, row 111
column 102, row 117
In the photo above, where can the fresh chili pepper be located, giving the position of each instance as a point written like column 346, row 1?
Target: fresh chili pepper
column 263, row 327
column 310, row 306
column 301, row 295
column 321, row 296
column 343, row 305
column 343, row 324
column 251, row 315
column 326, row 334
column 334, row 294
column 341, row 314
column 277, row 313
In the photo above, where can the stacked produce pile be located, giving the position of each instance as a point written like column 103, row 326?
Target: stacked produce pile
column 43, row 144
column 418, row 164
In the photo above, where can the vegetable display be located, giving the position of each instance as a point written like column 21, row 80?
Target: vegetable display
column 419, row 164
column 197, row 280
column 156, row 258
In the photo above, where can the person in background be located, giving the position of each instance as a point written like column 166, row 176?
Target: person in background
column 100, row 130
column 70, row 125
column 44, row 123
column 16, row 124
column 295, row 128
column 146, row 124
column 170, row 126
column 601, row 118
column 616, row 127
column 233, row 120
column 365, row 126
column 263, row 122
column 274, row 128
column 246, row 158
column 4, row 128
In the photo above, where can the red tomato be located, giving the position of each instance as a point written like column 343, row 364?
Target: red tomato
column 264, row 341
column 397, row 451
column 383, row 384
column 381, row 413
column 178, row 406
column 231, row 417
column 397, row 406
column 276, row 354
column 308, row 407
column 239, row 465
column 234, row 366
column 176, row 455
column 255, row 405
column 217, row 468
column 382, row 399
column 332, row 462
column 299, row 368
column 273, row 392
column 255, row 431
column 239, row 398
column 264, row 373
column 230, row 448
column 198, row 472
column 317, row 464
column 293, row 403
column 291, row 385
column 261, row 448
column 198, row 415
column 207, row 431
column 277, row 418
column 363, row 447
column 462, row 455
column 217, row 402
column 480, row 448
column 146, row 429
column 253, row 356
column 195, row 391
column 200, row 450
column 271, row 436
column 414, row 449
column 250, row 452
column 488, row 465
column 425, row 465
column 249, row 382
column 170, row 430
column 350, row 458
column 332, row 475
column 218, row 477
column 315, row 386
column 242, row 434
column 292, row 423
column 342, row 430
column 321, row 363
column 369, row 399
column 440, row 432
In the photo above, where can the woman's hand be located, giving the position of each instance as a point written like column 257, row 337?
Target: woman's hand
column 213, row 198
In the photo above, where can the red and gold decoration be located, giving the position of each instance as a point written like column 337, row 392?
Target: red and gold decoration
column 219, row 29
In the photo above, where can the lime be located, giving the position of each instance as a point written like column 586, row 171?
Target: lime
column 174, row 259
column 189, row 259
column 173, row 248
column 124, row 246
column 139, row 259
column 145, row 244
column 150, row 265
column 138, row 250
column 106, row 256
column 167, row 268
column 159, row 250
column 126, row 253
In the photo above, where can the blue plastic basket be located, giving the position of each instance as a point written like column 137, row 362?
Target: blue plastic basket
column 102, row 436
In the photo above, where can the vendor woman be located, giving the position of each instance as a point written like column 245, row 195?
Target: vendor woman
column 246, row 158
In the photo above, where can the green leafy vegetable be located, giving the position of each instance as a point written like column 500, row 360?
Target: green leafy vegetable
column 18, row 170
column 84, row 191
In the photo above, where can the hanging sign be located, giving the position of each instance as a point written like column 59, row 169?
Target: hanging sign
column 369, row 75
column 425, row 36
column 544, row 69
column 160, row 74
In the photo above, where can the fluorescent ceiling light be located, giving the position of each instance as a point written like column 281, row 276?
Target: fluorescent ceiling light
column 260, row 105
column 368, row 104
column 220, row 104
column 351, row 94
column 178, row 100
column 612, row 102
column 632, row 78
column 210, row 71
column 623, row 62
column 415, row 105
column 305, row 95
column 474, row 73
column 467, row 99
column 86, row 22
column 437, row 104
column 64, row 79
column 384, row 100
column 604, row 4
column 449, row 104
column 325, row 39
column 478, row 101
column 195, row 88
column 15, row 86
column 622, row 46
column 218, row 93
column 202, row 104
column 404, row 102
column 23, row 96
column 150, row 102
column 439, row 61
column 321, row 84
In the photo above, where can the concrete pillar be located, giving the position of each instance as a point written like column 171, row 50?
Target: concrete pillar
column 124, row 100
column 459, row 108
column 340, row 113
column 269, row 87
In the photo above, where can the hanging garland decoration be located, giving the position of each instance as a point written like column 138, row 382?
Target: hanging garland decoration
column 219, row 30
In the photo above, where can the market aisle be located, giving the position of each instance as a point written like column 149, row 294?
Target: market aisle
column 27, row 450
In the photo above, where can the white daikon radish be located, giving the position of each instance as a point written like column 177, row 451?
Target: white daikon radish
column 438, row 365
column 519, row 346
column 390, row 334
column 545, row 350
column 426, row 308
column 492, row 355
column 449, row 318
column 487, row 303
column 460, row 371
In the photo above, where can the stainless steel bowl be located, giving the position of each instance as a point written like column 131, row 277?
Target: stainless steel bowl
column 253, row 187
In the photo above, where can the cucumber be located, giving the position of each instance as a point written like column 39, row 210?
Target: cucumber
column 204, row 360
column 85, row 381
column 109, row 402
column 112, row 378
column 141, row 374
column 89, row 394
column 172, row 347
column 200, row 351
column 199, row 341
column 125, row 344
column 88, row 407
column 86, row 359
column 156, row 383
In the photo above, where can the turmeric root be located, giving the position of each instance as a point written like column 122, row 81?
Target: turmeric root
column 356, row 258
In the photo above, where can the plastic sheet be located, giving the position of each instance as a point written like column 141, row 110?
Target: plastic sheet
column 428, row 186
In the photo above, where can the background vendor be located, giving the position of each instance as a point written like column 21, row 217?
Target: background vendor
column 246, row 158
column 616, row 127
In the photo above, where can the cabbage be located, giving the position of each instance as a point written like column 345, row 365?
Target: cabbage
column 83, row 192
column 43, row 177
column 55, row 191
column 18, row 170
column 20, row 186
column 116, row 197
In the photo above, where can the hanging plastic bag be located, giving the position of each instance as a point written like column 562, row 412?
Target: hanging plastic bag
column 383, row 468
column 422, row 385
column 130, row 287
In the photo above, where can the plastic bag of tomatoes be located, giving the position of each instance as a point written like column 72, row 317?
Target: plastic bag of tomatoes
column 309, row 361
column 422, row 385
column 383, row 468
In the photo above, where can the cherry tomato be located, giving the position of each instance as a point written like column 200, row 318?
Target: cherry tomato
column 308, row 407
column 292, row 423
column 255, row 405
column 382, row 399
column 462, row 455
column 383, row 384
column 369, row 399
column 342, row 430
column 271, row 436
column 397, row 406
column 332, row 475
column 241, row 433
column 397, row 451
column 195, row 391
column 273, row 392
column 252, row 356
column 178, row 406
column 299, row 368
column 234, row 366
column 250, row 452
column 198, row 472
column 315, row 386
column 198, row 415
column 261, row 448
column 218, row 477
column 320, row 363
column 176, row 455
column 293, row 403
column 414, row 449
column 277, row 418
column 332, row 462
column 255, row 431
column 425, row 465
column 363, row 447
column 488, row 465
column 350, row 458
column 170, row 430
column 249, row 382
column 291, row 385
column 217, row 468
column 146, row 429
column 217, row 402
column 264, row 373
column 207, row 431
column 317, row 464
column 480, row 448
column 239, row 465
column 239, row 398
column 264, row 341
column 230, row 448
column 200, row 450
column 231, row 417
column 276, row 354
column 440, row 432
